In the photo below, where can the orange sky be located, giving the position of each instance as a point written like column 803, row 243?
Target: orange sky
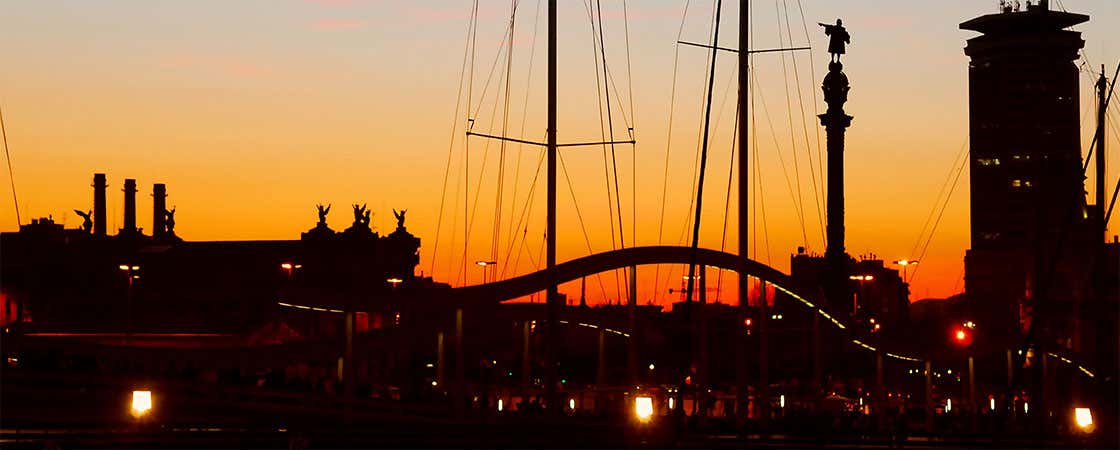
column 252, row 112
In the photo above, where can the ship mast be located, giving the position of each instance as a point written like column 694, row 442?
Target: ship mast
column 552, row 294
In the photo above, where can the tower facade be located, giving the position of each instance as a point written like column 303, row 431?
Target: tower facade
column 1028, row 199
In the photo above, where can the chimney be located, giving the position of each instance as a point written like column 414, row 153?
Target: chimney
column 129, row 207
column 99, row 186
column 159, row 206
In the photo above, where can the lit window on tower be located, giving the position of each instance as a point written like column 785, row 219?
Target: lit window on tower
column 987, row 161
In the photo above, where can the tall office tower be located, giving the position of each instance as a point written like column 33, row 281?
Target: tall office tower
column 1028, row 195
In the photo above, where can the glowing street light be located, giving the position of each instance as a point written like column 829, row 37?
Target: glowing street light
column 141, row 403
column 484, row 265
column 290, row 267
column 643, row 408
column 904, row 263
column 394, row 281
column 1084, row 418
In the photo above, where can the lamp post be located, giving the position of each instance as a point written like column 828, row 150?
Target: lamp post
column 863, row 279
column 484, row 265
column 131, row 273
column 290, row 268
column 904, row 263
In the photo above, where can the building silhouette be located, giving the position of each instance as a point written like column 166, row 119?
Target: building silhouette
column 1028, row 213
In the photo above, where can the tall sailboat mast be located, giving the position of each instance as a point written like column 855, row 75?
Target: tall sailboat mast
column 552, row 294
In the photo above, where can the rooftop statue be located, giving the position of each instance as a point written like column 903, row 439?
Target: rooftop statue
column 839, row 36
column 323, row 214
column 400, row 218
column 361, row 216
column 87, row 223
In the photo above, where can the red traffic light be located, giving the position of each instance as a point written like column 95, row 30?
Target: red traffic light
column 962, row 336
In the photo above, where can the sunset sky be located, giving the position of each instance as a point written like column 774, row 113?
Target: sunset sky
column 254, row 111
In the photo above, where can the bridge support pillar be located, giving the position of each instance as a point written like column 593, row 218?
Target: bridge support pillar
column 460, row 389
column 974, row 416
column 763, row 358
column 526, row 362
column 927, row 404
column 441, row 358
column 880, row 400
column 740, row 336
column 601, row 364
column 632, row 323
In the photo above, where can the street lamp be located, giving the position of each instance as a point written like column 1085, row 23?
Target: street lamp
column 141, row 403
column 131, row 272
column 863, row 279
column 1084, row 418
column 395, row 281
column 484, row 265
column 643, row 408
column 904, row 263
column 290, row 267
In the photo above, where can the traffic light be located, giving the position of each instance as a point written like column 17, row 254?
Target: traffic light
column 962, row 336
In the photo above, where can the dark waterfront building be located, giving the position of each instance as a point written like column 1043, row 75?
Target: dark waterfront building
column 1028, row 209
column 77, row 281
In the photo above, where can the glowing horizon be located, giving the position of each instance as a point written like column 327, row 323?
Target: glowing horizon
column 254, row 112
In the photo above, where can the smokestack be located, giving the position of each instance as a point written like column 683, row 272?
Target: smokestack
column 129, row 207
column 99, row 186
column 159, row 206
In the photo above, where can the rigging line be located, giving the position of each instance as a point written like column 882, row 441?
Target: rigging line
column 602, row 134
column 937, row 200
column 502, row 46
column 805, row 126
column 495, row 240
column 778, row 151
column 703, row 161
column 579, row 215
column 668, row 145
column 520, row 148
column 758, row 172
column 1112, row 203
column 800, row 202
column 450, row 150
column 526, row 211
column 634, row 149
column 610, row 124
column 1107, row 100
column 816, row 110
column 727, row 199
column 944, row 206
column 11, row 175
column 685, row 228
column 473, row 206
column 625, row 287
column 467, row 145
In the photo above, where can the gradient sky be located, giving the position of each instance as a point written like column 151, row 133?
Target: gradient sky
column 254, row 111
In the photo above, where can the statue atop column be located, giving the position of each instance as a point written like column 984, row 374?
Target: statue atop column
column 836, row 122
column 839, row 36
column 87, row 223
